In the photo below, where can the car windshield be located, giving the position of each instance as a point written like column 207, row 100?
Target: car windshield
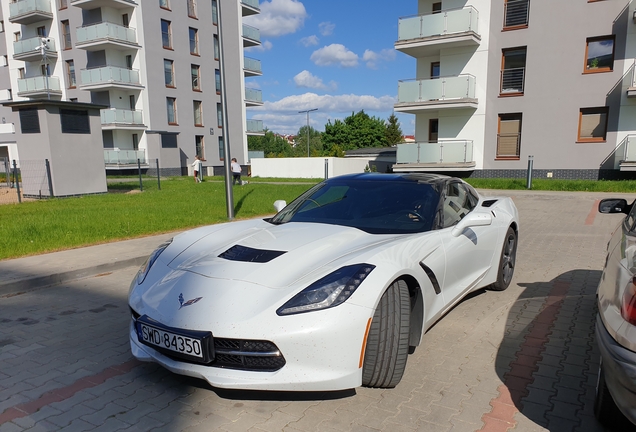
column 377, row 207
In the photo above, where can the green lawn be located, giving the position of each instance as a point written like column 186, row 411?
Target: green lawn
column 557, row 185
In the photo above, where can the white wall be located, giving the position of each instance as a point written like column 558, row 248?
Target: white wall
column 306, row 167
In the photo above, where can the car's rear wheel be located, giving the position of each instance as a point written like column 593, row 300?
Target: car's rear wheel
column 388, row 340
column 605, row 409
column 507, row 261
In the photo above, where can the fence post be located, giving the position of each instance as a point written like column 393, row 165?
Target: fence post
column 141, row 184
column 17, row 182
column 48, row 176
column 326, row 169
column 7, row 170
column 529, row 179
column 158, row 179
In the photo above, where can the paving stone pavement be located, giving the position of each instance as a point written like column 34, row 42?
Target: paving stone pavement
column 524, row 359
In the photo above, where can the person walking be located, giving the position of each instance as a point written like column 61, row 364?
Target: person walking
column 236, row 172
column 197, row 166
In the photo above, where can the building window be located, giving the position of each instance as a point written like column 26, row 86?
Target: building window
column 509, row 136
column 216, row 47
column 1, row 26
column 171, row 105
column 437, row 7
column 75, row 121
column 21, row 73
column 195, row 73
column 513, row 71
column 197, row 108
column 593, row 124
column 192, row 8
column 41, row 31
column 194, row 41
column 221, row 149
column 435, row 69
column 200, row 148
column 219, row 115
column 215, row 14
column 164, row 4
column 63, row 4
column 433, row 130
column 4, row 61
column 169, row 141
column 45, row 70
column 135, row 141
column 66, row 35
column 516, row 14
column 29, row 121
column 217, row 79
column 16, row 36
column 599, row 54
column 70, row 74
column 168, row 72
column 166, row 34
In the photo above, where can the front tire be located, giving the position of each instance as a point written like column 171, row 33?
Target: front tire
column 507, row 261
column 388, row 340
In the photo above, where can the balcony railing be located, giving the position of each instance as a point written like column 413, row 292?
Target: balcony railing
column 253, row 95
column 255, row 126
column 516, row 13
column 508, row 145
column 443, row 23
column 106, row 31
column 251, row 33
column 28, row 7
column 512, row 80
column 251, row 3
column 432, row 153
column 38, row 84
column 110, row 75
column 121, row 116
column 436, row 89
column 124, row 157
column 32, row 45
column 252, row 65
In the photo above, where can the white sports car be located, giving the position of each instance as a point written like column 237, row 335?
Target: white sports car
column 331, row 293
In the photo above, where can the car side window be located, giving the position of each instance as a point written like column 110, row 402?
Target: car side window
column 457, row 203
column 631, row 219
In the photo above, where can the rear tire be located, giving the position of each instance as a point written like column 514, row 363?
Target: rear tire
column 605, row 409
column 388, row 340
column 507, row 261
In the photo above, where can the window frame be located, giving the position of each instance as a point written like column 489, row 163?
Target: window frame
column 63, row 4
column 515, row 26
column 196, row 88
column 197, row 109
column 66, row 35
column 199, row 149
column 167, row 6
column 70, row 74
column 196, row 51
column 167, row 34
column 172, row 85
column 593, row 111
column 586, row 68
column 217, row 81
column 192, row 8
column 171, row 102
column 509, row 117
column 520, row 92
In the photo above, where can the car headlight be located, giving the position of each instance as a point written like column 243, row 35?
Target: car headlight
column 145, row 268
column 330, row 291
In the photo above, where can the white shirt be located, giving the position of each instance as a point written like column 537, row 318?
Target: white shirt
column 236, row 168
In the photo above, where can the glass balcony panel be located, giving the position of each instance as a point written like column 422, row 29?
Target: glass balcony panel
column 38, row 83
column 121, row 116
column 433, row 25
column 459, row 87
column 106, row 30
column 110, row 74
column 253, row 95
column 445, row 22
column 407, row 153
column 440, row 152
column 252, row 64
column 459, row 21
column 630, row 151
column 31, row 45
column 251, row 33
column 255, row 125
column 409, row 91
column 455, row 152
column 432, row 89
column 23, row 7
column 252, row 3
column 409, row 28
column 124, row 157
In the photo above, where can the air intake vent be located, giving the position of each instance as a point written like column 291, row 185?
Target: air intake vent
column 246, row 254
column 488, row 203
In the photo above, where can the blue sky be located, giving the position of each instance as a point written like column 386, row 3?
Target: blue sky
column 336, row 56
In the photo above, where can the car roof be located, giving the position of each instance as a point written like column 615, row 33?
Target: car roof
column 426, row 178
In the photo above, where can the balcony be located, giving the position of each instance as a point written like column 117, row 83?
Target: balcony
column 124, row 159
column 96, row 37
column 93, row 4
column 425, row 35
column 623, row 157
column 110, row 77
column 255, row 127
column 39, row 86
column 252, row 67
column 117, row 118
column 29, row 49
column 456, row 155
column 250, row 7
column 30, row 11
column 251, row 36
column 416, row 96
column 253, row 97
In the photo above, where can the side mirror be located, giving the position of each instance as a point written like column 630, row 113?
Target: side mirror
column 613, row 205
column 279, row 205
column 470, row 220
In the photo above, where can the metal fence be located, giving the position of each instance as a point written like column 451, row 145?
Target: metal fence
column 24, row 180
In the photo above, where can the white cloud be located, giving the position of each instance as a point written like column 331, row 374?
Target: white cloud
column 331, row 103
column 326, row 28
column 278, row 17
column 372, row 58
column 307, row 80
column 309, row 40
column 334, row 54
column 264, row 46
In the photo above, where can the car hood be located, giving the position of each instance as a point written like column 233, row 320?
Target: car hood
column 286, row 252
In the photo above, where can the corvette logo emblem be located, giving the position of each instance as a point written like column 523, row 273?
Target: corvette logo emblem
column 187, row 303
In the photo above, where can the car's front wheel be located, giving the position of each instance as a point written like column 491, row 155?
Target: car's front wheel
column 388, row 340
column 507, row 261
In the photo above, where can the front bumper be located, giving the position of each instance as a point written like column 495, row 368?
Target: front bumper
column 619, row 364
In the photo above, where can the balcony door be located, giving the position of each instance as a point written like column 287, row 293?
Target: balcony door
column 513, row 69
column 433, row 128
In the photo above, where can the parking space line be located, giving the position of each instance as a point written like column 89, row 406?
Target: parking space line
column 593, row 212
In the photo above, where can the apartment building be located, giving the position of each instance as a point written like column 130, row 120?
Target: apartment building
column 155, row 67
column 500, row 82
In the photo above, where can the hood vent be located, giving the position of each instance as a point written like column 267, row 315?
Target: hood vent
column 488, row 203
column 246, row 254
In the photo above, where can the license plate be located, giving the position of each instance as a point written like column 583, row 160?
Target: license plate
column 170, row 341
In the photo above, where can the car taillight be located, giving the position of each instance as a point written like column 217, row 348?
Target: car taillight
column 628, row 309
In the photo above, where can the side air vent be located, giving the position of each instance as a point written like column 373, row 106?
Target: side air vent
column 488, row 203
column 246, row 254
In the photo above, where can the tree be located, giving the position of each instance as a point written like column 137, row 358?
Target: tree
column 359, row 130
column 272, row 145
column 315, row 142
column 393, row 131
